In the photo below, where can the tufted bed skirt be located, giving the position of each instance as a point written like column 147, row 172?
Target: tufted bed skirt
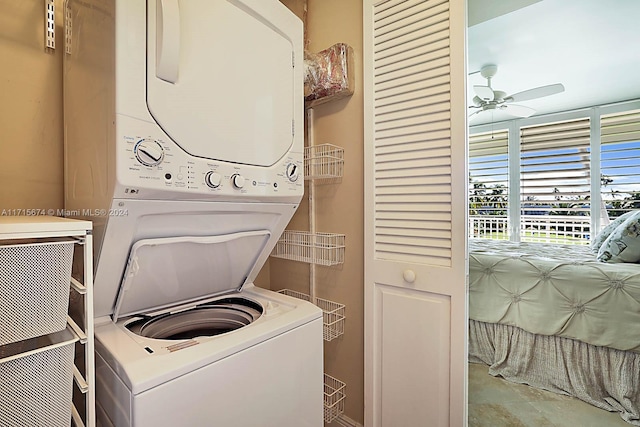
column 604, row 377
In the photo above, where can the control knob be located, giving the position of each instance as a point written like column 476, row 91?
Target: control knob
column 237, row 180
column 149, row 152
column 292, row 172
column 213, row 179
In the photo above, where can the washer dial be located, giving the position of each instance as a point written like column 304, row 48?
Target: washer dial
column 149, row 152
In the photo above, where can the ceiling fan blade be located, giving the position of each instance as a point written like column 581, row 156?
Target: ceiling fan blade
column 484, row 92
column 538, row 92
column 517, row 110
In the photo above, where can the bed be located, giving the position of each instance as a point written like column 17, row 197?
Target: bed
column 555, row 318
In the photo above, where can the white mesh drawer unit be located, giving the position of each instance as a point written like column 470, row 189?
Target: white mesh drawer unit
column 36, row 376
column 34, row 288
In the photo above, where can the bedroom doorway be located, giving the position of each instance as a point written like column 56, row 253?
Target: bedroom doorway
column 542, row 173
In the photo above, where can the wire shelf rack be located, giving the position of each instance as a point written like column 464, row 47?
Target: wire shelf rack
column 324, row 162
column 316, row 248
column 334, row 395
column 333, row 314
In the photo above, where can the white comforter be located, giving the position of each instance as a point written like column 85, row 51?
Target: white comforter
column 555, row 290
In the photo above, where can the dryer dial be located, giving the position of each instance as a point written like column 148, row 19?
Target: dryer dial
column 237, row 180
column 149, row 152
column 213, row 179
column 292, row 172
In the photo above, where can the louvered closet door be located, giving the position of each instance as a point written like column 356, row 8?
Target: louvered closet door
column 415, row 213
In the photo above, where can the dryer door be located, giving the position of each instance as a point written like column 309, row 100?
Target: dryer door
column 220, row 78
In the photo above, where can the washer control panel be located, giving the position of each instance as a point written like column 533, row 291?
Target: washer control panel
column 147, row 164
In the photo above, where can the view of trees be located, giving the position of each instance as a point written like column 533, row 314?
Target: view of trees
column 487, row 199
column 494, row 199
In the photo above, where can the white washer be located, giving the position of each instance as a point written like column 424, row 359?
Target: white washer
column 183, row 145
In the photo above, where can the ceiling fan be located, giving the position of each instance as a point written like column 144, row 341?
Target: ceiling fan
column 488, row 99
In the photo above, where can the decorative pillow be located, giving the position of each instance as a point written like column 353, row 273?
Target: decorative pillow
column 606, row 232
column 623, row 244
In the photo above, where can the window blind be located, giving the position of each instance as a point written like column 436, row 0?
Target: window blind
column 620, row 162
column 489, row 173
column 555, row 163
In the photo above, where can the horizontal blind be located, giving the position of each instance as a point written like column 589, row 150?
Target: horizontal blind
column 555, row 179
column 489, row 184
column 620, row 162
column 555, row 162
column 412, row 139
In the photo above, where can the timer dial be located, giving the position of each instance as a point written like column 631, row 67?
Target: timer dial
column 149, row 152
column 292, row 172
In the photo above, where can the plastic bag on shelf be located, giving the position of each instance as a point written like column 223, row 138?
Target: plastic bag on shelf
column 328, row 74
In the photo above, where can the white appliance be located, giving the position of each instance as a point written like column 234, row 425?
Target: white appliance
column 183, row 145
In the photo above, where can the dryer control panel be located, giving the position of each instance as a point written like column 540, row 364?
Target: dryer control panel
column 149, row 166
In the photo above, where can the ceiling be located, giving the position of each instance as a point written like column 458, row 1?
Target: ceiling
column 592, row 47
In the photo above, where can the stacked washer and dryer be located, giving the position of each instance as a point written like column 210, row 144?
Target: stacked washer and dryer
column 183, row 145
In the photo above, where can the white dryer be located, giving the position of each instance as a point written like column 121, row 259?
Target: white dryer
column 183, row 145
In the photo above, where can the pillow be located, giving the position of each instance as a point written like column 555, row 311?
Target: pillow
column 623, row 244
column 597, row 241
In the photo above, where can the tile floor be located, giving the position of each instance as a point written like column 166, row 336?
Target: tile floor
column 495, row 402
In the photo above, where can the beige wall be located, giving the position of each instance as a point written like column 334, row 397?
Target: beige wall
column 339, row 207
column 31, row 141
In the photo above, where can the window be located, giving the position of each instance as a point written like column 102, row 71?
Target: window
column 488, row 185
column 537, row 180
column 555, row 180
column 620, row 162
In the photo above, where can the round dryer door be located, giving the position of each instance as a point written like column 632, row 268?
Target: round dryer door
column 220, row 77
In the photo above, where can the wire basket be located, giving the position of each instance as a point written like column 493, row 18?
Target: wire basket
column 316, row 248
column 332, row 318
column 332, row 314
column 37, row 387
column 295, row 294
column 324, row 162
column 34, row 289
column 334, row 395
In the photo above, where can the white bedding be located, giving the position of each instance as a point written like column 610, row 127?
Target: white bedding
column 555, row 290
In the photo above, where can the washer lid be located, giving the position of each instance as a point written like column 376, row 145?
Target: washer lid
column 167, row 271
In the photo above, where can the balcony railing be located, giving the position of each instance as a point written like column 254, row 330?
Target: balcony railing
column 533, row 228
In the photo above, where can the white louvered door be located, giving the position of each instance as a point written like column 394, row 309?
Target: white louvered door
column 415, row 213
